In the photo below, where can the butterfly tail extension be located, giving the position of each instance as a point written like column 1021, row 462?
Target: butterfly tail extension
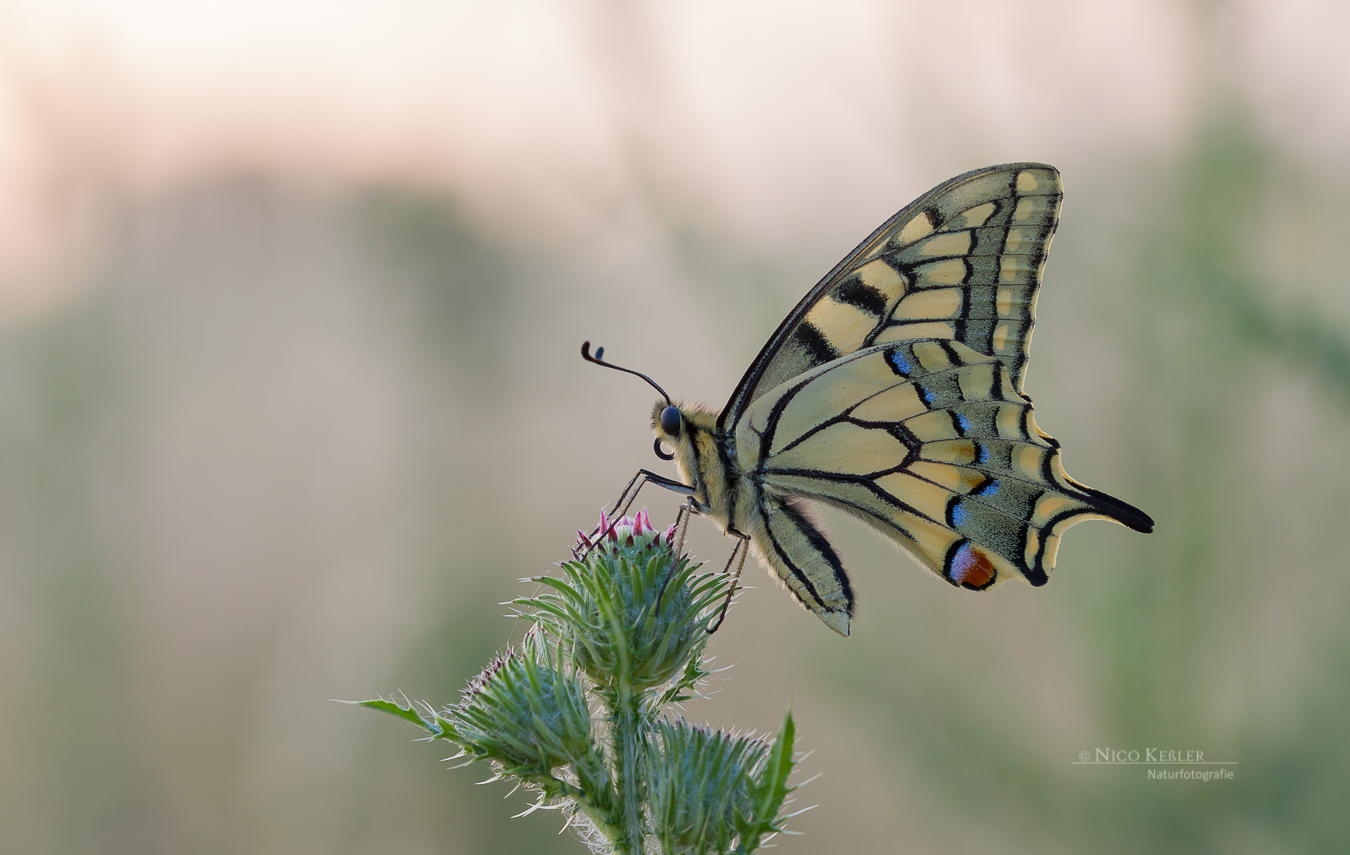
column 1122, row 512
column 1078, row 503
column 1103, row 504
column 792, row 544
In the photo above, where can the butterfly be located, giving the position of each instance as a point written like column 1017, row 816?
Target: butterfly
column 893, row 391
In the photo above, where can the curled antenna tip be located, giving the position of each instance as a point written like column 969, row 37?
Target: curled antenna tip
column 599, row 359
column 586, row 353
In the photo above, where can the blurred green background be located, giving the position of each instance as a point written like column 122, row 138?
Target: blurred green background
column 290, row 301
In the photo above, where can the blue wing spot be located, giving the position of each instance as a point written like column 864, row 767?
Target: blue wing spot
column 959, row 514
column 983, row 455
column 963, row 421
column 902, row 366
column 987, row 489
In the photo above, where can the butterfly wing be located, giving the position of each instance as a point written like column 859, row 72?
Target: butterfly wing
column 932, row 444
column 962, row 262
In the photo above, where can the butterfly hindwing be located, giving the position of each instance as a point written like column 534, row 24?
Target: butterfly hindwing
column 932, row 444
column 794, row 548
column 963, row 262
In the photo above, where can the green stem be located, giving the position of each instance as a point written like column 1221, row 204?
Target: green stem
column 628, row 734
column 594, row 796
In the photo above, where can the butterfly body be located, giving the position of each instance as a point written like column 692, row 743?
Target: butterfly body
column 893, row 391
column 728, row 485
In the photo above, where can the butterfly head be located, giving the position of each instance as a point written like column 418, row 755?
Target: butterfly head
column 666, row 421
column 683, row 430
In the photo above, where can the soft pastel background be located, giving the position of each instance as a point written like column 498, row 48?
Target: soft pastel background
column 290, row 300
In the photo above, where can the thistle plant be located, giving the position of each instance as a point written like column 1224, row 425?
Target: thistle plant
column 578, row 712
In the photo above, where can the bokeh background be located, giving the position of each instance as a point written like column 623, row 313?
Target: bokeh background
column 290, row 300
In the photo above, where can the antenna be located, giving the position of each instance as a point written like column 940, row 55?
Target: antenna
column 599, row 359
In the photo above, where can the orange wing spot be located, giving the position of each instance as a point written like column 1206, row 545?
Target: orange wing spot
column 971, row 568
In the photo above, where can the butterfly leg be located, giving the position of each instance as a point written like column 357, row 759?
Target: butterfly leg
column 741, row 548
column 687, row 510
column 630, row 493
column 641, row 479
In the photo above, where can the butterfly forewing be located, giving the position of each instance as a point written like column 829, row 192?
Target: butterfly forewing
column 932, row 444
column 963, row 262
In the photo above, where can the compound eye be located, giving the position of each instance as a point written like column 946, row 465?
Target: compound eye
column 670, row 421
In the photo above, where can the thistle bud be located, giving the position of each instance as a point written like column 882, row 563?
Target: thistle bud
column 524, row 715
column 634, row 609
